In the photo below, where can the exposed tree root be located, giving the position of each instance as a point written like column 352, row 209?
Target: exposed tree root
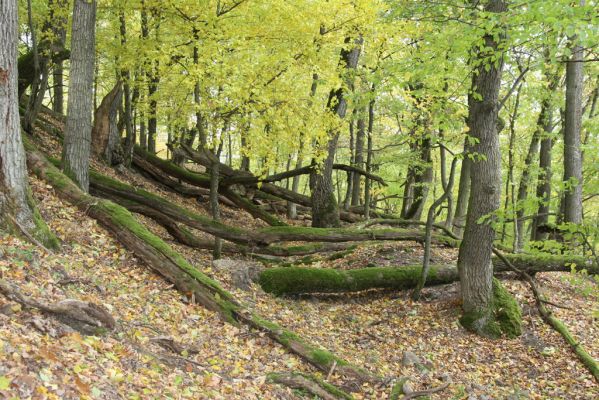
column 86, row 317
column 553, row 321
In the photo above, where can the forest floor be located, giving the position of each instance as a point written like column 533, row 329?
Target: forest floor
column 42, row 358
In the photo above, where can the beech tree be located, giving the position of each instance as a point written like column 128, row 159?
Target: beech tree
column 77, row 140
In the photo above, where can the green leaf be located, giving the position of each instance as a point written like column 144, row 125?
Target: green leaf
column 4, row 382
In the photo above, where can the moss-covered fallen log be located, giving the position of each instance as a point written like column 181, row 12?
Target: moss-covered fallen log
column 309, row 234
column 161, row 258
column 148, row 163
column 300, row 280
column 115, row 190
column 187, row 238
column 226, row 171
column 107, row 187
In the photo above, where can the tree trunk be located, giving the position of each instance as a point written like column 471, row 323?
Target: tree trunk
column 349, row 180
column 418, row 181
column 461, row 208
column 17, row 210
column 106, row 137
column 127, row 112
column 572, row 126
column 510, row 182
column 358, row 161
column 369, row 156
column 474, row 259
column 59, row 25
column 325, row 210
column 214, row 206
column 76, row 149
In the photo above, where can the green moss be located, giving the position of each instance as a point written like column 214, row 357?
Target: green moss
column 503, row 318
column 298, row 280
column 42, row 231
column 506, row 310
column 325, row 358
column 158, row 202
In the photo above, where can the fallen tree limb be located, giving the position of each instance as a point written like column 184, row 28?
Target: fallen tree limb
column 162, row 259
column 205, row 160
column 254, row 180
column 147, row 162
column 311, row 384
column 300, row 280
column 589, row 362
column 83, row 316
column 151, row 172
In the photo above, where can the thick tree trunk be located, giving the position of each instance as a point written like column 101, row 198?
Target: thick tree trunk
column 474, row 260
column 17, row 211
column 14, row 210
column 325, row 210
column 76, row 149
column 572, row 126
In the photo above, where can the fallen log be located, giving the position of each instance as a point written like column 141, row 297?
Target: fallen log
column 300, row 280
column 205, row 159
column 125, row 194
column 151, row 172
column 161, row 258
column 200, row 180
column 309, row 234
column 115, row 190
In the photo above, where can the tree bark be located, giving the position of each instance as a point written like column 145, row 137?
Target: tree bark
column 572, row 126
column 474, row 259
column 358, row 161
column 76, row 149
column 60, row 30
column 14, row 208
column 461, row 208
column 106, row 137
column 369, row 155
column 17, row 208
